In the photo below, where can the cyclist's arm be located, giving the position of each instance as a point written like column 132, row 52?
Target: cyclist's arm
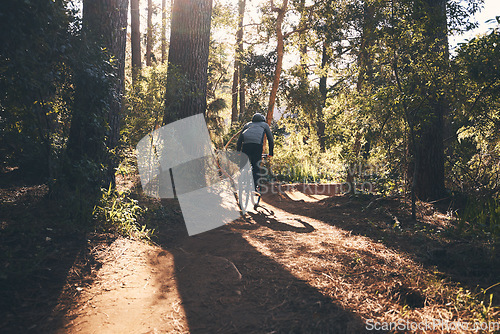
column 239, row 144
column 270, row 140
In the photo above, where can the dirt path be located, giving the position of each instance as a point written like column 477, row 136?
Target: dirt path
column 325, row 270
column 131, row 294
column 221, row 281
column 302, row 264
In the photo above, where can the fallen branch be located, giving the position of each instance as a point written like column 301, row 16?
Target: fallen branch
column 230, row 263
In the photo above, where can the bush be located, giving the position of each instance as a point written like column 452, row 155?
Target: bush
column 481, row 217
column 118, row 213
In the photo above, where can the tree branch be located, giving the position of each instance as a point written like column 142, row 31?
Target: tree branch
column 286, row 35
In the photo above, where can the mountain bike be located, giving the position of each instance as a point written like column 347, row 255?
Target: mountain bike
column 243, row 186
column 248, row 193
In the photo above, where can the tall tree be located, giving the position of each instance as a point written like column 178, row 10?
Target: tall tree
column 301, row 7
column 135, row 39
column 36, row 76
column 149, row 34
column 429, row 149
column 163, row 31
column 188, row 59
column 364, row 77
column 105, row 23
column 280, row 50
column 238, row 83
column 320, row 126
column 365, row 61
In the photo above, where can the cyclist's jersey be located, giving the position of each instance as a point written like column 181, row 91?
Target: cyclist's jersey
column 253, row 133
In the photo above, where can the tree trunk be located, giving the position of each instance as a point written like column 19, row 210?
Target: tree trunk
column 242, row 90
column 163, row 31
column 188, row 59
column 280, row 49
column 104, row 27
column 429, row 160
column 429, row 149
column 323, row 91
column 367, row 38
column 302, row 38
column 241, row 71
column 238, row 86
column 234, row 89
column 135, row 39
column 149, row 33
column 106, row 21
column 353, row 166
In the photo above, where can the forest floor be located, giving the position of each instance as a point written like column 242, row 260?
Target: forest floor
column 299, row 264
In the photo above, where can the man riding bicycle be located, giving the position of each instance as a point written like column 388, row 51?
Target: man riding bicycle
column 251, row 141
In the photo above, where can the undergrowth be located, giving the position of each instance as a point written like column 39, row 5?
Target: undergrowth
column 118, row 213
column 481, row 218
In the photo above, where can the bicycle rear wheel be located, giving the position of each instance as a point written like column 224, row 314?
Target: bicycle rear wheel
column 247, row 195
column 245, row 187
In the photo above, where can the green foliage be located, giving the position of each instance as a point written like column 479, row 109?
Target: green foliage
column 259, row 73
column 92, row 79
column 146, row 98
column 215, row 122
column 475, row 157
column 118, row 213
column 387, row 69
column 146, row 103
column 298, row 158
column 302, row 99
column 481, row 217
column 223, row 15
column 56, row 89
column 36, row 43
column 128, row 164
column 218, row 91
column 479, row 304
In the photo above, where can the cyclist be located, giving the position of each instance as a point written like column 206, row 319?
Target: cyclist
column 251, row 141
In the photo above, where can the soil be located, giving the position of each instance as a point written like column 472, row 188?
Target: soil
column 298, row 264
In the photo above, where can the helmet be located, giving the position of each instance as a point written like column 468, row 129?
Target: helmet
column 258, row 117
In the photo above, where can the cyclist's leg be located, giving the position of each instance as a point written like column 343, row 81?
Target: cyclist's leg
column 254, row 152
column 256, row 175
column 256, row 170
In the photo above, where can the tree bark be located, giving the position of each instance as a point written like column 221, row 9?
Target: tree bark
column 238, row 84
column 118, row 45
column 188, row 59
column 323, row 91
column 149, row 34
column 242, row 90
column 302, row 38
column 135, row 39
column 108, row 19
column 280, row 49
column 163, row 31
column 234, row 89
column 104, row 23
column 429, row 161
column 367, row 38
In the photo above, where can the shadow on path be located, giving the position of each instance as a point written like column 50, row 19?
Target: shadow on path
column 266, row 218
column 466, row 262
column 228, row 286
column 39, row 253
